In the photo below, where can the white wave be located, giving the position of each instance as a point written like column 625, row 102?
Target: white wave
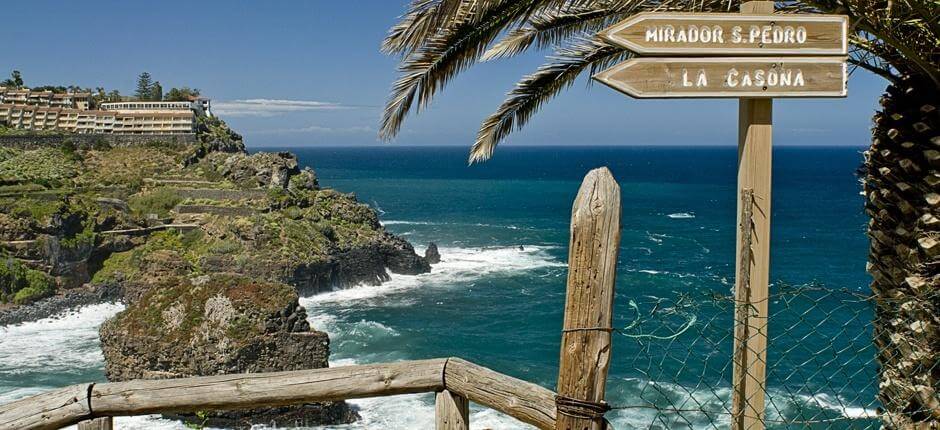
column 657, row 237
column 681, row 215
column 457, row 265
column 781, row 405
column 399, row 222
column 64, row 344
column 478, row 224
column 837, row 404
column 663, row 272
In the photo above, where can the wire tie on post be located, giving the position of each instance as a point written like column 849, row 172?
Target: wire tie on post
column 607, row 329
column 580, row 408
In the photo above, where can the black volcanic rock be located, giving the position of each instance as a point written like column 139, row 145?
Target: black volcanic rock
column 432, row 255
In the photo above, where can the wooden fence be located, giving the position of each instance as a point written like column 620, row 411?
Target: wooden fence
column 582, row 377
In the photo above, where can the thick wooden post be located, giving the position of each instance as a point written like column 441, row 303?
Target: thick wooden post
column 592, row 268
column 752, row 262
column 452, row 412
column 103, row 423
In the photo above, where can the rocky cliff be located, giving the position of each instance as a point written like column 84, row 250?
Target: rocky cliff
column 102, row 218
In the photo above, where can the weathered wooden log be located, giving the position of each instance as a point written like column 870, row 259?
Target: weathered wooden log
column 592, row 270
column 51, row 410
column 524, row 401
column 246, row 391
column 451, row 411
column 103, row 423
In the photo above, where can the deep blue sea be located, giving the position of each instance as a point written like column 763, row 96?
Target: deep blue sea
column 497, row 297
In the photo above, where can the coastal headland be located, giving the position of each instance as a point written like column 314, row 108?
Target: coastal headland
column 207, row 245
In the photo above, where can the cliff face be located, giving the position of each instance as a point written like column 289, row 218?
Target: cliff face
column 95, row 218
column 220, row 324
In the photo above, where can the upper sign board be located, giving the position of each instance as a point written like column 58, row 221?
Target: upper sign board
column 709, row 34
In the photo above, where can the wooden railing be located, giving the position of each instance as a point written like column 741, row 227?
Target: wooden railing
column 585, row 357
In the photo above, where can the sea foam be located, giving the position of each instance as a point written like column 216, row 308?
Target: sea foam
column 67, row 343
column 457, row 265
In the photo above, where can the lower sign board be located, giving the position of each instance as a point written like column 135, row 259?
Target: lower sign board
column 713, row 77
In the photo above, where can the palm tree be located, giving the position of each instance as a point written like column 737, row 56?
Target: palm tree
column 898, row 40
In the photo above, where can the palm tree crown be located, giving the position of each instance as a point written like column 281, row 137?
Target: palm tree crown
column 438, row 39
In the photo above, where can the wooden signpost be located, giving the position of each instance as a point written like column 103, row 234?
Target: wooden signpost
column 754, row 56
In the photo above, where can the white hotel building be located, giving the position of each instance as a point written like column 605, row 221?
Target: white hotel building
column 74, row 113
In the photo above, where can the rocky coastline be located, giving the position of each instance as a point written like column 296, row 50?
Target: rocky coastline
column 60, row 304
column 209, row 248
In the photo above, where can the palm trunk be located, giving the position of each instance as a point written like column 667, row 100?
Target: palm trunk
column 902, row 186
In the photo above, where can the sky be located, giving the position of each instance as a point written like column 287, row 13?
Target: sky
column 309, row 72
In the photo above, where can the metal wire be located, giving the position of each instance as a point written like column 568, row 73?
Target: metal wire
column 822, row 360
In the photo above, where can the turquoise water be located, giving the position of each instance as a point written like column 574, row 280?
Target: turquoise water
column 502, row 307
column 497, row 296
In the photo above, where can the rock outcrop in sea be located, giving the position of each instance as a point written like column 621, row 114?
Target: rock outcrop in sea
column 220, row 324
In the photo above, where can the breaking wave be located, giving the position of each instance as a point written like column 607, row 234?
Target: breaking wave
column 457, row 265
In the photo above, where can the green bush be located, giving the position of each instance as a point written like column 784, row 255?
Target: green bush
column 159, row 201
column 325, row 229
column 39, row 285
column 21, row 284
column 223, row 247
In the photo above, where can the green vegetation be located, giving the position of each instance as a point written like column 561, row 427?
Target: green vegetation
column 144, row 87
column 70, row 193
column 15, row 81
column 46, row 166
column 159, row 201
column 212, row 129
column 20, row 284
column 181, row 94
column 177, row 307
column 118, row 266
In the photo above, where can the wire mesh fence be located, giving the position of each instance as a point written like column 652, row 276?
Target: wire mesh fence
column 823, row 359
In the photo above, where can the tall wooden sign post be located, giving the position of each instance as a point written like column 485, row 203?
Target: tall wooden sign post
column 754, row 56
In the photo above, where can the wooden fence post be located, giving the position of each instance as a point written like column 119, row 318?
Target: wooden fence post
column 452, row 411
column 103, row 423
column 592, row 268
column 752, row 262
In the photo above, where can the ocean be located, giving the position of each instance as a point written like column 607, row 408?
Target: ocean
column 498, row 295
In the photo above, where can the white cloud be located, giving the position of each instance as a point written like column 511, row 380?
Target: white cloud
column 272, row 107
column 317, row 129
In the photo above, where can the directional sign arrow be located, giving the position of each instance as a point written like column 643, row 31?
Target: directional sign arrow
column 730, row 34
column 716, row 77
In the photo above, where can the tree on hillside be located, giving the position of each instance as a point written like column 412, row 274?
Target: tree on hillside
column 100, row 95
column 156, row 92
column 15, row 80
column 181, row 94
column 897, row 40
column 144, row 86
column 114, row 96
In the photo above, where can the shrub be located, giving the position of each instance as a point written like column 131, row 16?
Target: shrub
column 223, row 247
column 39, row 285
column 159, row 201
column 21, row 284
column 325, row 229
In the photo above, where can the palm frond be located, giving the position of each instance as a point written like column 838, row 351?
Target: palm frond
column 551, row 27
column 534, row 90
column 429, row 18
column 444, row 55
